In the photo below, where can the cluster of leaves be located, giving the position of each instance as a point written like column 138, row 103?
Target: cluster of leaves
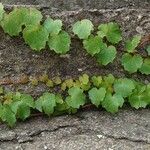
column 106, row 92
column 36, row 34
column 99, row 45
column 132, row 61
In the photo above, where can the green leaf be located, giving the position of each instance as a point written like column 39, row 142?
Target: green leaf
column 111, row 31
column 124, row 87
column 145, row 68
column 140, row 97
column 76, row 97
column 8, row 115
column 32, row 17
column 109, row 79
column 112, row 102
column 35, row 36
column 46, row 103
column 27, row 100
column 1, row 11
column 21, row 105
column 83, row 28
column 84, row 79
column 131, row 63
column 148, row 50
column 108, row 82
column 53, row 26
column 93, row 45
column 97, row 95
column 60, row 43
column 1, row 110
column 23, row 111
column 96, row 80
column 106, row 55
column 14, row 21
column 132, row 44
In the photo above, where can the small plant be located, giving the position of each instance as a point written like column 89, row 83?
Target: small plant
column 107, row 92
column 95, row 45
column 131, row 61
column 27, row 21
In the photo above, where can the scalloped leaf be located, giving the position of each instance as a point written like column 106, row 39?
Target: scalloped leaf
column 124, row 87
column 148, row 50
column 1, row 11
column 112, row 102
column 111, row 31
column 14, row 21
column 35, row 36
column 8, row 116
column 97, row 95
column 106, row 55
column 46, row 103
column 131, row 63
column 145, row 68
column 76, row 97
column 96, row 80
column 32, row 17
column 83, row 28
column 93, row 45
column 84, row 79
column 132, row 44
column 140, row 98
column 53, row 26
column 60, row 43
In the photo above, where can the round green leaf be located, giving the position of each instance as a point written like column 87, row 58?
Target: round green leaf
column 8, row 115
column 145, row 68
column 131, row 63
column 14, row 21
column 76, row 97
column 106, row 55
column 124, row 87
column 32, row 17
column 140, row 98
column 112, row 102
column 93, row 45
column 1, row 11
column 35, row 36
column 83, row 28
column 46, row 103
column 53, row 26
column 111, row 31
column 132, row 44
column 84, row 79
column 60, row 43
column 97, row 95
column 148, row 50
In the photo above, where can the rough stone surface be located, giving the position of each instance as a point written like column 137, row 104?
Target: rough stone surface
column 17, row 58
column 88, row 130
column 92, row 130
column 77, row 4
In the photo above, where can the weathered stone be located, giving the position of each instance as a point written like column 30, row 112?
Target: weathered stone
column 89, row 130
column 129, row 129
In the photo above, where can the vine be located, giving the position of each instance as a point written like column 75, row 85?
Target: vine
column 107, row 92
column 38, row 33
